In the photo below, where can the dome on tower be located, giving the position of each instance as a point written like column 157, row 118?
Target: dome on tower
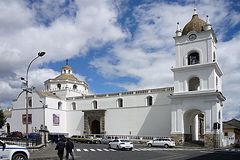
column 196, row 24
column 67, row 67
column 67, row 74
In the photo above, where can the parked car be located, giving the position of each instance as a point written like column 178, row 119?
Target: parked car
column 15, row 134
column 85, row 139
column 121, row 144
column 162, row 142
column 13, row 152
column 75, row 138
column 106, row 140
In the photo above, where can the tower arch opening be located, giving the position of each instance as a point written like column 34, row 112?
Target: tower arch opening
column 193, row 125
column 193, row 58
column 194, row 84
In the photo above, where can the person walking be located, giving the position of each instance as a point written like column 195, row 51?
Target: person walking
column 60, row 148
column 69, row 149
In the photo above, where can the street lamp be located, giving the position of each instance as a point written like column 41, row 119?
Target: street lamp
column 40, row 54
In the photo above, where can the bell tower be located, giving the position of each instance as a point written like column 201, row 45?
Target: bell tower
column 197, row 93
column 196, row 64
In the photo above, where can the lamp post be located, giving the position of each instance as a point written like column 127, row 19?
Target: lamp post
column 40, row 54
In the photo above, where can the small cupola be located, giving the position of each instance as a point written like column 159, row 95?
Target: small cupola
column 196, row 24
column 208, row 25
column 178, row 31
column 66, row 69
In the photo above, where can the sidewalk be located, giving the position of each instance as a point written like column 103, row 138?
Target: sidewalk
column 48, row 153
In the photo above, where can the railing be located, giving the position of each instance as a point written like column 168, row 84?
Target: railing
column 21, row 141
column 156, row 90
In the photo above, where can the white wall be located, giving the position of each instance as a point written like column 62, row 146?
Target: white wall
column 142, row 121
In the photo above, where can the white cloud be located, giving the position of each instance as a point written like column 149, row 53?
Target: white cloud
column 62, row 30
column 229, row 61
column 149, row 54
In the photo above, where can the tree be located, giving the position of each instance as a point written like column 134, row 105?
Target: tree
column 2, row 119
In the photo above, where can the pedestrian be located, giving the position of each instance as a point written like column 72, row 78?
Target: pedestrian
column 60, row 148
column 69, row 149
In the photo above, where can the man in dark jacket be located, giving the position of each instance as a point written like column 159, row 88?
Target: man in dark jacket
column 69, row 149
column 60, row 148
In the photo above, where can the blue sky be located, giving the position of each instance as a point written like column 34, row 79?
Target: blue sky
column 114, row 45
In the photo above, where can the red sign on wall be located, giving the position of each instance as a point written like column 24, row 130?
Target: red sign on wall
column 29, row 119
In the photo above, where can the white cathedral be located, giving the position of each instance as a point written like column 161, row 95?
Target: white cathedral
column 191, row 110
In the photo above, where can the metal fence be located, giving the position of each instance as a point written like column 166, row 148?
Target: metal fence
column 21, row 141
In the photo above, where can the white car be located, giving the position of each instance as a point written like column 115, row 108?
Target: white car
column 121, row 144
column 13, row 152
column 162, row 142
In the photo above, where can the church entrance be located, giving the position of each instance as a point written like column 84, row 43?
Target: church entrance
column 193, row 125
column 95, row 127
column 94, row 121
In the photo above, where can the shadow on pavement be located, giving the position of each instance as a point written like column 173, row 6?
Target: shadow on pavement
column 219, row 155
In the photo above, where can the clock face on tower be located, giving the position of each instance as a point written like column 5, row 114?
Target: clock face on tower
column 192, row 37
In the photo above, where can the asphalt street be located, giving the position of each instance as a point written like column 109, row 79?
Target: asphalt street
column 140, row 152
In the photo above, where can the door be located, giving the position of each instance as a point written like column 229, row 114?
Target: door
column 95, row 127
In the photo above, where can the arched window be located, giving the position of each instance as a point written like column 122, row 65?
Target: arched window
column 94, row 103
column 74, row 86
column 194, row 84
column 60, row 105
column 59, row 86
column 149, row 101
column 193, row 58
column 29, row 101
column 74, row 106
column 120, row 102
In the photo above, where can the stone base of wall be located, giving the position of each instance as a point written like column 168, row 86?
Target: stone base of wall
column 179, row 138
column 211, row 141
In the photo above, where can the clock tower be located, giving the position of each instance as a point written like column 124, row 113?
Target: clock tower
column 197, row 97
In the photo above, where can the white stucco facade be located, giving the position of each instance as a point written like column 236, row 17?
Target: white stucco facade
column 187, row 111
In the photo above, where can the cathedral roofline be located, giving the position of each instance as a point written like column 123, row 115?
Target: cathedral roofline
column 47, row 94
column 134, row 92
column 66, row 80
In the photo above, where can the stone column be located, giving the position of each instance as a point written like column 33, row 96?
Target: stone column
column 86, row 125
column 102, row 124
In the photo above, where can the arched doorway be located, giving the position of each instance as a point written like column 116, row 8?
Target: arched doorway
column 95, row 127
column 193, row 125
